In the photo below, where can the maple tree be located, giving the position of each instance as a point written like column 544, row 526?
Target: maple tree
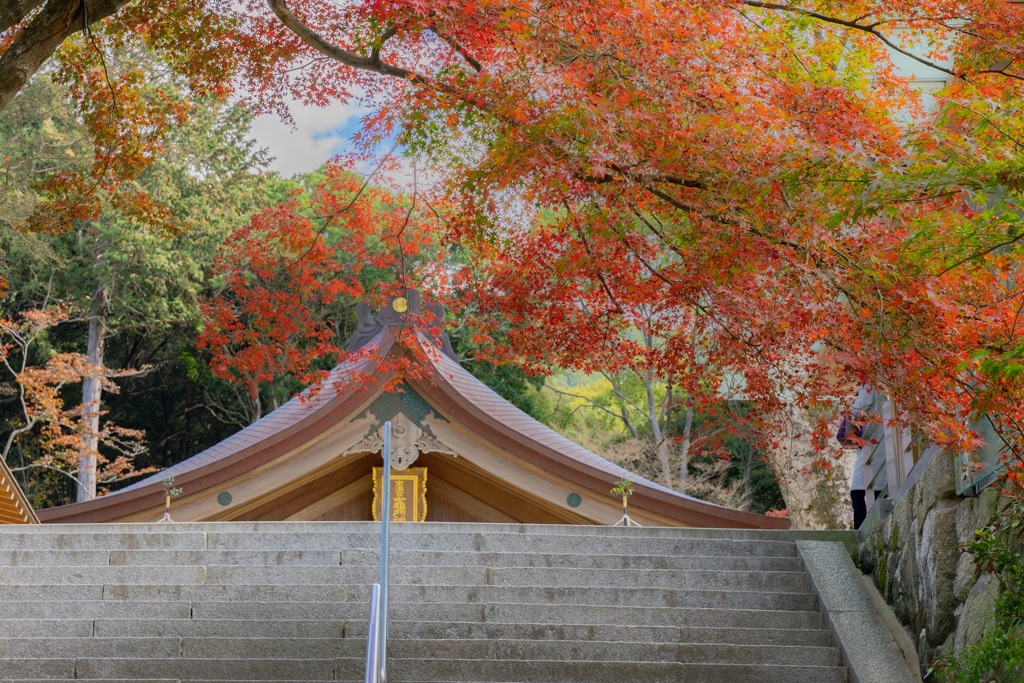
column 290, row 279
column 741, row 168
column 103, row 58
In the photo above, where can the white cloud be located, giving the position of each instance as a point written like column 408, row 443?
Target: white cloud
column 318, row 134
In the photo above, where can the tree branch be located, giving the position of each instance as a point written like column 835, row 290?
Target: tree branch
column 347, row 57
column 640, row 179
column 459, row 48
column 44, row 34
column 985, row 252
column 591, row 402
column 854, row 24
column 51, row 468
column 620, row 393
column 16, row 11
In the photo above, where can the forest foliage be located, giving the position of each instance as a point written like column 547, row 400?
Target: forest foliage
column 714, row 204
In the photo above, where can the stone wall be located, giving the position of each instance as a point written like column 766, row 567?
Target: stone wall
column 917, row 559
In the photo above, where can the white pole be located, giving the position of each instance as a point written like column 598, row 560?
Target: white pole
column 385, row 529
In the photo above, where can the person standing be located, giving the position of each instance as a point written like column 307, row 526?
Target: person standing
column 852, row 433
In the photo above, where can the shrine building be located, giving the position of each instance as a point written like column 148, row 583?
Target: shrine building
column 461, row 453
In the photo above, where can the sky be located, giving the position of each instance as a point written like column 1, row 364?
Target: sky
column 319, row 133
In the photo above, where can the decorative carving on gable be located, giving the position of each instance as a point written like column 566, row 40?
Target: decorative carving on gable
column 430, row 444
column 371, row 443
column 404, row 435
column 408, row 440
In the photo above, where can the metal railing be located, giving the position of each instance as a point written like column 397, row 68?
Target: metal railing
column 377, row 640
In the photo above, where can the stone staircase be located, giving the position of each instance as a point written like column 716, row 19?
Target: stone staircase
column 469, row 602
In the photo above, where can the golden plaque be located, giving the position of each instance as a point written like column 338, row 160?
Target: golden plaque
column 408, row 494
column 400, row 304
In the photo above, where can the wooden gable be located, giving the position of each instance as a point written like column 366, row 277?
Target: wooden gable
column 14, row 507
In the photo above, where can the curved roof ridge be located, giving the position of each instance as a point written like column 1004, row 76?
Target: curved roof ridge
column 299, row 406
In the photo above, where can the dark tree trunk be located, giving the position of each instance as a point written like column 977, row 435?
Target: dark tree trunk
column 43, row 35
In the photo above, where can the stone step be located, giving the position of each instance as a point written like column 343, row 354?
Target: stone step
column 48, row 557
column 421, row 528
column 611, row 651
column 597, row 632
column 789, row 582
column 600, row 560
column 178, row 629
column 50, row 539
column 13, row 627
column 167, row 558
column 224, row 669
column 509, row 542
column 411, row 558
column 556, row 671
column 213, row 649
column 231, row 628
column 404, row 593
column 195, row 628
column 71, row 648
column 523, row 613
column 42, row 668
column 759, row 673
column 499, row 612
column 72, row 608
column 453, row 541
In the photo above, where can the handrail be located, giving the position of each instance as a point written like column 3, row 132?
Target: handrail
column 377, row 639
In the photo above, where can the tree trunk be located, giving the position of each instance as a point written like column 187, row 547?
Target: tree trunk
column 43, row 35
column 663, row 460
column 92, row 391
column 748, row 466
column 661, row 442
column 815, row 499
column 685, row 450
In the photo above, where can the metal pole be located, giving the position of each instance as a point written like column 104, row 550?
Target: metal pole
column 372, row 652
column 385, row 529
